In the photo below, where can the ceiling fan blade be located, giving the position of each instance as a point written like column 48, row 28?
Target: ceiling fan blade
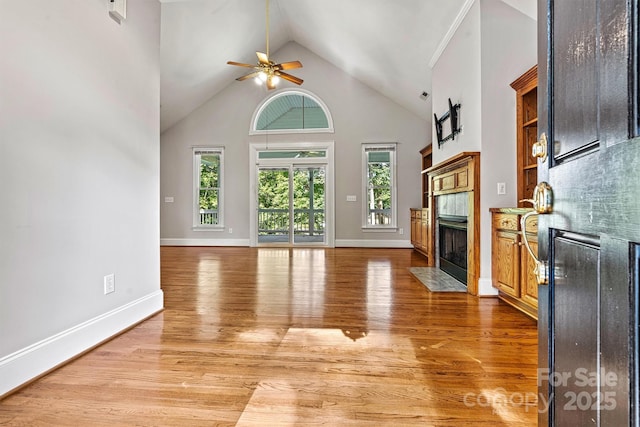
column 248, row 76
column 240, row 64
column 263, row 58
column 289, row 77
column 270, row 83
column 288, row 65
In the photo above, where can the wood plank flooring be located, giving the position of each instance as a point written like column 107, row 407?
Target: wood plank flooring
column 298, row 337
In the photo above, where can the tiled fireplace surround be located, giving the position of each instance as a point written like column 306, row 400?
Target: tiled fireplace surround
column 456, row 204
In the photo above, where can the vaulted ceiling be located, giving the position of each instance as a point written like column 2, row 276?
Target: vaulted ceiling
column 389, row 45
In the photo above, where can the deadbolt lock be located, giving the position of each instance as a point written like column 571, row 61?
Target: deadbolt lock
column 539, row 148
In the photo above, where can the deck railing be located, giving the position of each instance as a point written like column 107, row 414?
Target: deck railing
column 308, row 222
column 208, row 216
column 379, row 216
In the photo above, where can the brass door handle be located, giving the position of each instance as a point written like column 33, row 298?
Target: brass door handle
column 542, row 198
column 542, row 204
column 541, row 269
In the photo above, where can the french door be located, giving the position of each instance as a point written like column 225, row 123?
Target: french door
column 292, row 194
column 291, row 205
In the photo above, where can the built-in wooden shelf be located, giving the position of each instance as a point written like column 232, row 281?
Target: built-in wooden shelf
column 526, row 87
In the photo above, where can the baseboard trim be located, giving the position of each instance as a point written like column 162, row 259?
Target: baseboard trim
column 29, row 363
column 485, row 287
column 204, row 242
column 345, row 243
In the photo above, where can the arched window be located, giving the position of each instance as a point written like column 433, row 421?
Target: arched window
column 292, row 111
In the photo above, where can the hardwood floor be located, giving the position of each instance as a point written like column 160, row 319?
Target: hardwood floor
column 298, row 337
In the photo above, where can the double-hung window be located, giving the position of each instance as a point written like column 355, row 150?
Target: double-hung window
column 208, row 170
column 379, row 186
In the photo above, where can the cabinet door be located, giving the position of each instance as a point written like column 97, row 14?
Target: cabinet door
column 506, row 262
column 424, row 225
column 414, row 230
column 529, row 283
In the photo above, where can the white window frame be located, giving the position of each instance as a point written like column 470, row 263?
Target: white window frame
column 284, row 92
column 392, row 149
column 197, row 152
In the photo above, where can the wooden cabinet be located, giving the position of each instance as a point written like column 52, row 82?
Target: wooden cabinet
column 526, row 87
column 425, row 154
column 416, row 229
column 511, row 264
column 420, row 231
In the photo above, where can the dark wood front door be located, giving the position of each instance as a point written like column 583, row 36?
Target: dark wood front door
column 588, row 313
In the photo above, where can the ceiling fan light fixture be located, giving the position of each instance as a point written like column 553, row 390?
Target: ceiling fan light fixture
column 267, row 71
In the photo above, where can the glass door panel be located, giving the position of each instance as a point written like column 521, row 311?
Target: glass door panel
column 309, row 185
column 274, row 207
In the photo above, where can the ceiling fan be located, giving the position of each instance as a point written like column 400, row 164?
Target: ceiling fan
column 267, row 70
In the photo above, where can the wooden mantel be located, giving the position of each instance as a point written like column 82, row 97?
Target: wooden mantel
column 459, row 174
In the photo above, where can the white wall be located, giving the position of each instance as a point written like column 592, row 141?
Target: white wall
column 457, row 75
column 493, row 46
column 509, row 48
column 360, row 115
column 79, row 178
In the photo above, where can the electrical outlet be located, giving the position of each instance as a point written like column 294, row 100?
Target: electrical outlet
column 109, row 283
column 502, row 188
column 401, row 231
column 230, row 230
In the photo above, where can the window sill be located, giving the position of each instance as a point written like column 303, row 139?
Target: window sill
column 210, row 228
column 379, row 229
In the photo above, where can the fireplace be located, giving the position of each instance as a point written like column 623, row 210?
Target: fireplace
column 452, row 248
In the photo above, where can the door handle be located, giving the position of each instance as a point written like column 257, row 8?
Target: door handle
column 542, row 204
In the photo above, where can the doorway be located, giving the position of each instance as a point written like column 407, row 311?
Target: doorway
column 292, row 195
column 291, row 204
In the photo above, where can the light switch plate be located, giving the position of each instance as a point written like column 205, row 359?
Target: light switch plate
column 502, row 188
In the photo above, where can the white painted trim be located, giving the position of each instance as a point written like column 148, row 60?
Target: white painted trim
column 362, row 243
column 30, row 362
column 204, row 242
column 452, row 30
column 196, row 188
column 379, row 229
column 485, row 287
column 392, row 148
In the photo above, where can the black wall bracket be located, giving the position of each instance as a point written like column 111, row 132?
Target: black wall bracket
column 454, row 127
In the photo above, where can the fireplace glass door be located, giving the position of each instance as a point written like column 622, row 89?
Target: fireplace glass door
column 453, row 247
